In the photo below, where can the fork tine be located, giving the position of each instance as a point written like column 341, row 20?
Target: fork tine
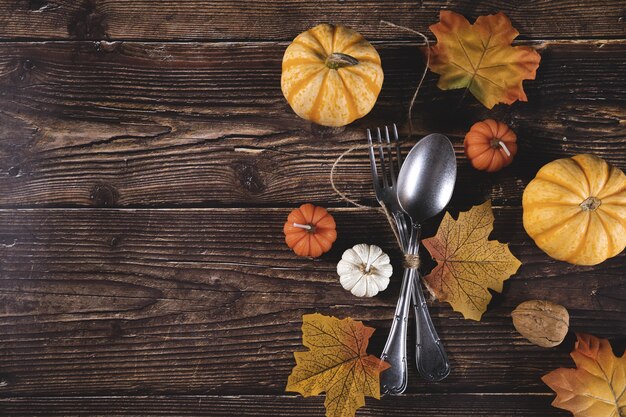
column 398, row 150
column 373, row 162
column 392, row 171
column 381, row 153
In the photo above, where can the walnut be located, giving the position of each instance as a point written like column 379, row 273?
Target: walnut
column 541, row 322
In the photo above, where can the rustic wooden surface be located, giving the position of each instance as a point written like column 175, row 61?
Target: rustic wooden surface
column 148, row 161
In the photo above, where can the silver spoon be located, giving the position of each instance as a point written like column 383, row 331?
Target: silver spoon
column 425, row 185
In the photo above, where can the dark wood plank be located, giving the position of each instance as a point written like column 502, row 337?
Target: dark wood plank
column 271, row 20
column 103, row 302
column 143, row 124
column 448, row 405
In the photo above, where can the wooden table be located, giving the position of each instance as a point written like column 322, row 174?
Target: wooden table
column 148, row 161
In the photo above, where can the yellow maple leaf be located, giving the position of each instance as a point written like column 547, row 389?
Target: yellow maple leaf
column 336, row 363
column 480, row 57
column 597, row 387
column 468, row 264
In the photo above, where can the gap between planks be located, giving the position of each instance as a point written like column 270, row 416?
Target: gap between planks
column 237, row 42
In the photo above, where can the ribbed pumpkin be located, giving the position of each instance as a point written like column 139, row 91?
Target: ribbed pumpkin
column 310, row 230
column 490, row 145
column 575, row 210
column 331, row 75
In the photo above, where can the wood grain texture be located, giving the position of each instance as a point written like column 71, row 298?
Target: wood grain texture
column 103, row 301
column 437, row 405
column 143, row 124
column 283, row 20
column 148, row 161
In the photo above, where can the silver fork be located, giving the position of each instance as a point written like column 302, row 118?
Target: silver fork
column 428, row 346
column 394, row 380
column 386, row 193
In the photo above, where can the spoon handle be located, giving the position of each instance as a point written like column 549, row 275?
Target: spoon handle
column 430, row 356
column 394, row 380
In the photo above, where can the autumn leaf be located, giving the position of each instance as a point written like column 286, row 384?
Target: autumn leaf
column 468, row 264
column 336, row 363
column 480, row 58
column 597, row 387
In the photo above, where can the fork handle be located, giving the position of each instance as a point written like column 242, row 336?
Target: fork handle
column 430, row 356
column 394, row 380
column 401, row 228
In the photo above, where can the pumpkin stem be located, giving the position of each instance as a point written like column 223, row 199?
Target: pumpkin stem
column 496, row 143
column 368, row 266
column 306, row 227
column 338, row 60
column 591, row 204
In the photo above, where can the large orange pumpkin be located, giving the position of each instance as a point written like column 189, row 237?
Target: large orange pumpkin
column 331, row 75
column 575, row 210
column 490, row 145
column 310, row 230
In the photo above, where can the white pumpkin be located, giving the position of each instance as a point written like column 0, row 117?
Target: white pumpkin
column 364, row 270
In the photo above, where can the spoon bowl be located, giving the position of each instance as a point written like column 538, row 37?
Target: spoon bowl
column 426, row 180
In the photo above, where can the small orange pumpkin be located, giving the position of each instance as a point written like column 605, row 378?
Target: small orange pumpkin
column 490, row 145
column 310, row 230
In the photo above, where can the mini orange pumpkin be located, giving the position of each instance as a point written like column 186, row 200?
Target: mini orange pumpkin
column 310, row 230
column 490, row 145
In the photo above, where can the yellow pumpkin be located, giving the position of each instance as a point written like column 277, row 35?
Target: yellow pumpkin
column 331, row 75
column 575, row 210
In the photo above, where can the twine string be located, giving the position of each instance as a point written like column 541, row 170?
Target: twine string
column 421, row 81
column 382, row 209
column 411, row 261
column 392, row 224
column 340, row 193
